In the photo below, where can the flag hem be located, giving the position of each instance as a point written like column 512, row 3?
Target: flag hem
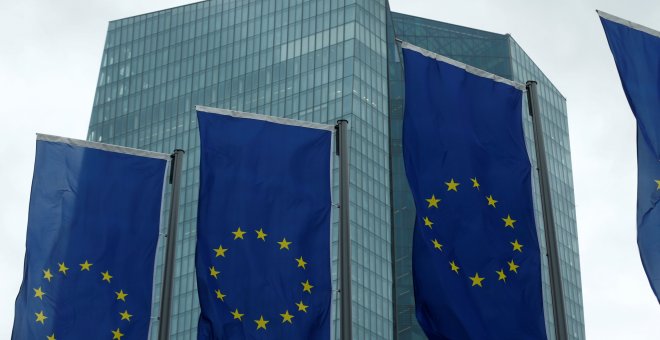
column 102, row 146
column 470, row 69
column 333, row 285
column 628, row 23
column 162, row 230
column 272, row 119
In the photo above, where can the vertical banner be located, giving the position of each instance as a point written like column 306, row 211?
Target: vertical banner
column 476, row 261
column 636, row 51
column 263, row 227
column 92, row 233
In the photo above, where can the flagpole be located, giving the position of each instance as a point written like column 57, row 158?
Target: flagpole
column 558, row 310
column 170, row 248
column 344, row 231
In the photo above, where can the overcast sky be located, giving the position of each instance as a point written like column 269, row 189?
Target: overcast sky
column 50, row 53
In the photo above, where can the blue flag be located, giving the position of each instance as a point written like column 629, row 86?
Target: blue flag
column 636, row 51
column 91, row 239
column 476, row 262
column 263, row 227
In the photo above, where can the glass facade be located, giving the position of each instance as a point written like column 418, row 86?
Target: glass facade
column 311, row 60
column 501, row 55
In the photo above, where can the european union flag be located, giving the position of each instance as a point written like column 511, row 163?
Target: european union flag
column 476, row 263
column 91, row 239
column 263, row 227
column 636, row 51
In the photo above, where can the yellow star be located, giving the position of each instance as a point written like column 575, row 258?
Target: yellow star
column 63, row 268
column 121, row 295
column 428, row 223
column 238, row 233
column 260, row 234
column 307, row 287
column 301, row 262
column 437, row 244
column 286, row 317
column 237, row 315
column 451, row 185
column 219, row 295
column 301, row 307
column 220, row 251
column 261, row 323
column 51, row 337
column 117, row 334
column 126, row 316
column 516, row 246
column 508, row 221
column 214, row 272
column 48, row 275
column 491, row 201
column 433, row 202
column 454, row 267
column 475, row 183
column 657, row 181
column 502, row 276
column 39, row 293
column 41, row 317
column 513, row 267
column 284, row 244
column 85, row 266
column 106, row 276
column 476, row 280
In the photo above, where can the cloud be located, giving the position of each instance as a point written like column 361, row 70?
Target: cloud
column 51, row 57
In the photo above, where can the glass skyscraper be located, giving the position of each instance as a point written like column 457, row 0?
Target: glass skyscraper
column 319, row 61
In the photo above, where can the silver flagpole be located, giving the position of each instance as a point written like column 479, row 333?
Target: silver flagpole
column 558, row 310
column 170, row 248
column 344, row 231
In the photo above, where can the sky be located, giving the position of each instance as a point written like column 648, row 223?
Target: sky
column 51, row 53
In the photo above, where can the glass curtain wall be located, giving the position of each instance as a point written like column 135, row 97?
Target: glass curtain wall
column 318, row 61
column 312, row 60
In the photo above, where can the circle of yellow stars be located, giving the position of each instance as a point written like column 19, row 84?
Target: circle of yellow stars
column 62, row 272
column 508, row 222
column 284, row 245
